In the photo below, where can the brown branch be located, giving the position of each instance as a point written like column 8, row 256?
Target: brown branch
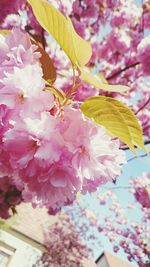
column 127, row 148
column 122, row 70
column 116, row 187
column 43, row 39
column 141, row 156
column 146, row 128
column 142, row 107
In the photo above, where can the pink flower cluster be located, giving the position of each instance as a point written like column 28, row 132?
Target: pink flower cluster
column 140, row 189
column 117, row 222
column 84, row 14
column 126, row 13
column 124, row 233
column 64, row 246
column 144, row 54
column 50, row 155
column 146, row 14
column 9, row 7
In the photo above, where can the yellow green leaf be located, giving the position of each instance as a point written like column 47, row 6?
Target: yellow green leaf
column 78, row 196
column 98, row 81
column 118, row 119
column 78, row 50
column 5, row 32
column 5, row 225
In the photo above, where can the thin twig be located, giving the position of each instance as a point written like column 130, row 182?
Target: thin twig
column 43, row 39
column 127, row 148
column 117, row 187
column 142, row 107
column 146, row 128
column 122, row 70
column 142, row 156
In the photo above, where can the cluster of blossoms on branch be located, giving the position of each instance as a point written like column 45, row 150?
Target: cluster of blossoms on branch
column 64, row 246
column 105, row 23
column 130, row 236
column 51, row 153
column 127, row 234
column 126, row 25
column 140, row 188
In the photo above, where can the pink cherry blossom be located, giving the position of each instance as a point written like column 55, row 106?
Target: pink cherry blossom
column 9, row 7
column 53, row 151
column 54, row 164
column 140, row 189
column 21, row 76
column 146, row 14
column 144, row 54
column 63, row 238
column 85, row 141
